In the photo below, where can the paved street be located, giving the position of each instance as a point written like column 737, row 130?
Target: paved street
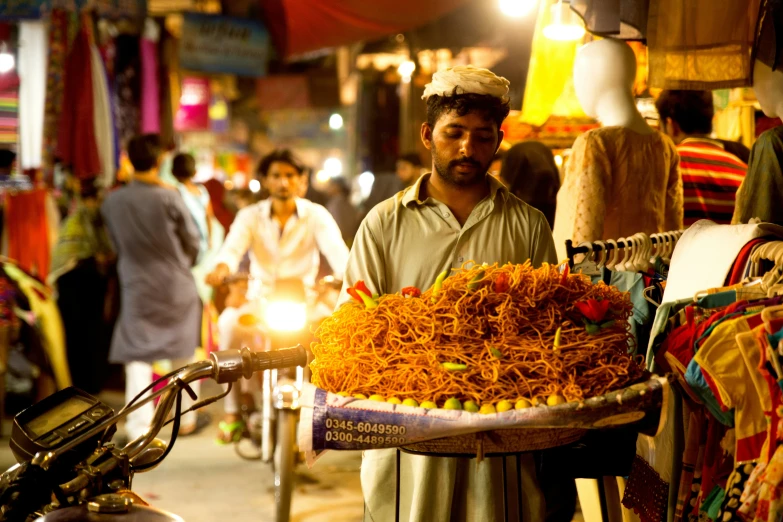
column 204, row 482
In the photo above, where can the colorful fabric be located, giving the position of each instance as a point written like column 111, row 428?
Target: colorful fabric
column 710, row 179
column 59, row 22
column 44, row 307
column 81, row 237
column 28, row 233
column 723, row 361
column 76, row 140
column 618, row 183
column 646, row 493
column 761, row 191
column 9, row 116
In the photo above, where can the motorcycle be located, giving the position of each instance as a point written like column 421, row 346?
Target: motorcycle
column 66, row 470
column 284, row 317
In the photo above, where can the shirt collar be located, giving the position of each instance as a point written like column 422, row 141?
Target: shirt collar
column 703, row 141
column 413, row 194
column 266, row 207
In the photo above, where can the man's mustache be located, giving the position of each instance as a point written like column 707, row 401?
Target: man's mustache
column 465, row 162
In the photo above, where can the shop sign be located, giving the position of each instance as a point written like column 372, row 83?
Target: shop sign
column 219, row 44
column 193, row 112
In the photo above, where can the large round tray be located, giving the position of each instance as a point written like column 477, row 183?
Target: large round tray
column 497, row 442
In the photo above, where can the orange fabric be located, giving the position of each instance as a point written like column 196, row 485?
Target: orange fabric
column 28, row 233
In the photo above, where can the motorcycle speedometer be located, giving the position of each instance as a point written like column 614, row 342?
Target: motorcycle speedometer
column 57, row 420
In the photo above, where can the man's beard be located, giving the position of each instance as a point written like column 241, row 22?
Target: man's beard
column 449, row 174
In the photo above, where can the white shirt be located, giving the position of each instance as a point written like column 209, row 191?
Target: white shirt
column 290, row 253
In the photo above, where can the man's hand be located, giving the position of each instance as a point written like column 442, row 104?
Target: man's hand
column 218, row 275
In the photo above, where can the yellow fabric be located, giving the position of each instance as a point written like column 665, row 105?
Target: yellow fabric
column 617, row 183
column 726, row 361
column 549, row 77
column 701, row 44
column 52, row 332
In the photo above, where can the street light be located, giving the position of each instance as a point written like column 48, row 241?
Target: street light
column 517, row 8
column 254, row 185
column 564, row 27
column 335, row 122
column 7, row 61
column 406, row 69
column 333, row 167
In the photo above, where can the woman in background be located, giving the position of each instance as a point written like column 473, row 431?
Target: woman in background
column 530, row 173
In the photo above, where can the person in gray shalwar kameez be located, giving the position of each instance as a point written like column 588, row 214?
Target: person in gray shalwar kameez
column 157, row 243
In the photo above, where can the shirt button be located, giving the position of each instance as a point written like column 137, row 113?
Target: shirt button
column 460, row 259
column 447, row 215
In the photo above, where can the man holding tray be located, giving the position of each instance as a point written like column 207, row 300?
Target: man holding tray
column 455, row 214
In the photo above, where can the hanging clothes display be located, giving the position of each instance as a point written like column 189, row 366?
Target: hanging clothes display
column 27, row 231
column 33, row 49
column 44, row 308
column 150, row 88
column 127, row 92
column 77, row 144
column 60, row 24
column 9, row 109
column 701, row 44
column 102, row 120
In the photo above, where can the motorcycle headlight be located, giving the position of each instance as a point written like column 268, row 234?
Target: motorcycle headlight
column 286, row 316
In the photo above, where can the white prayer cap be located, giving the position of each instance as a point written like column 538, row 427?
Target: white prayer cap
column 467, row 79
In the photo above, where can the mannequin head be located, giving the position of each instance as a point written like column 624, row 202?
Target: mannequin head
column 768, row 86
column 604, row 74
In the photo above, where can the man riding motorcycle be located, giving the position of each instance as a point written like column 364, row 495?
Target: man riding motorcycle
column 284, row 235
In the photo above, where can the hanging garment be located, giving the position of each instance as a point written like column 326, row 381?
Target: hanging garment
column 9, row 112
column 59, row 22
column 77, row 145
column 33, row 50
column 760, row 194
column 701, row 44
column 44, row 307
column 722, row 359
column 127, row 92
column 28, row 233
column 619, row 19
column 150, row 87
column 618, row 183
column 102, row 121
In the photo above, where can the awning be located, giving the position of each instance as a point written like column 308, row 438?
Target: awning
column 297, row 29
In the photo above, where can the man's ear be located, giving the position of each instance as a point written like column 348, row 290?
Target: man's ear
column 501, row 135
column 426, row 135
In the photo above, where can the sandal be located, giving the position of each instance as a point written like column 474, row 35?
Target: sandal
column 230, row 432
column 202, row 421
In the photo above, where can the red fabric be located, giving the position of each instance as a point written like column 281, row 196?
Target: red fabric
column 76, row 145
column 217, row 193
column 738, row 270
column 296, row 29
column 28, row 233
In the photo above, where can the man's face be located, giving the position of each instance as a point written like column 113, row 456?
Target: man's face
column 283, row 181
column 463, row 147
column 407, row 172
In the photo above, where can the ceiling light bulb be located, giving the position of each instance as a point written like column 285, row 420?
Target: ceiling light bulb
column 517, row 8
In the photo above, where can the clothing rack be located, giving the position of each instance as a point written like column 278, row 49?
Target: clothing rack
column 598, row 246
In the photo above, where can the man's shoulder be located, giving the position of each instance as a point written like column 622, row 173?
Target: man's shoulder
column 514, row 205
column 387, row 208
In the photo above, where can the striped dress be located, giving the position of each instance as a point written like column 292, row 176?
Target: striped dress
column 710, row 179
